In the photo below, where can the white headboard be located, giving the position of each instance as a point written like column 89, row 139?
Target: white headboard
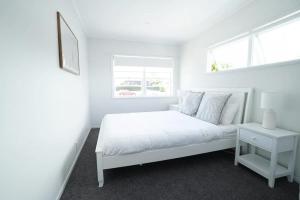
column 244, row 97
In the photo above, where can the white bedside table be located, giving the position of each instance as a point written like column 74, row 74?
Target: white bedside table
column 174, row 107
column 275, row 141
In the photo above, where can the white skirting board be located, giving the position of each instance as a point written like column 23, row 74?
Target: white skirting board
column 72, row 166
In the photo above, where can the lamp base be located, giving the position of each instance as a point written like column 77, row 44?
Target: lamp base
column 269, row 119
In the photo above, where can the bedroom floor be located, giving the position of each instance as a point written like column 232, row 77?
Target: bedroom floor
column 207, row 177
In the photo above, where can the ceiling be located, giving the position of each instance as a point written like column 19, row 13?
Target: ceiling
column 157, row 21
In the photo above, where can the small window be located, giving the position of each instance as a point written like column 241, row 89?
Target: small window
column 142, row 77
column 230, row 55
column 278, row 44
column 275, row 42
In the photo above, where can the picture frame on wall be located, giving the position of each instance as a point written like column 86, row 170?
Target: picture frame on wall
column 67, row 46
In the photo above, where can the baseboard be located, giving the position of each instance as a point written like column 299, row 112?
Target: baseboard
column 71, row 169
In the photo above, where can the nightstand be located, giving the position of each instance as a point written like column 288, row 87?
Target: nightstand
column 275, row 141
column 174, row 107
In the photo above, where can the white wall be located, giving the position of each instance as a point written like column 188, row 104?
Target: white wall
column 100, row 76
column 43, row 109
column 284, row 79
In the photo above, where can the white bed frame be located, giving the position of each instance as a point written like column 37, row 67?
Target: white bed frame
column 109, row 162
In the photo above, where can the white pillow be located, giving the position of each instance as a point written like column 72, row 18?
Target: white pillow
column 191, row 102
column 211, row 107
column 228, row 113
column 181, row 94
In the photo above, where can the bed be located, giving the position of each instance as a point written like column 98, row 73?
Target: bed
column 135, row 138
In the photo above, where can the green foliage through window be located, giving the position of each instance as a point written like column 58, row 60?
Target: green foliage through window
column 219, row 67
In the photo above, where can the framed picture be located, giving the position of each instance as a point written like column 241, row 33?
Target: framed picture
column 67, row 46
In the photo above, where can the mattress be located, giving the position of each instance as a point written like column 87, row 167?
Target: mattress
column 137, row 132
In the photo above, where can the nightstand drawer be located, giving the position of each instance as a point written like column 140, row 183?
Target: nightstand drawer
column 256, row 139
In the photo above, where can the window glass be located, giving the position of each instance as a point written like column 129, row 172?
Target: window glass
column 128, row 81
column 132, row 81
column 229, row 55
column 278, row 44
column 158, row 81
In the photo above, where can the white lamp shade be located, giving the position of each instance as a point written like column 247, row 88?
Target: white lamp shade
column 268, row 100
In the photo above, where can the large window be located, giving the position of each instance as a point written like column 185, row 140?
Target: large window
column 142, row 76
column 273, row 43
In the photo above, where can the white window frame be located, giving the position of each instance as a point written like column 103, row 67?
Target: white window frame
column 143, row 82
column 251, row 34
column 235, row 38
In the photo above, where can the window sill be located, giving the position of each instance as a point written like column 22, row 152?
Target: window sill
column 257, row 67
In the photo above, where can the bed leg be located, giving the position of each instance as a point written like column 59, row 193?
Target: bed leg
column 100, row 179
column 100, row 169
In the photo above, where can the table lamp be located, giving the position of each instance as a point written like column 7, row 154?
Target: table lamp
column 268, row 100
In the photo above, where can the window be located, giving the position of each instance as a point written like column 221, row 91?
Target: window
column 142, row 77
column 233, row 54
column 158, row 81
column 128, row 81
column 276, row 42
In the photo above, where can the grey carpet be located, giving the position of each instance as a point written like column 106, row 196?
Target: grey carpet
column 209, row 176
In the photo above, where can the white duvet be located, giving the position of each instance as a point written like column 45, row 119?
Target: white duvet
column 136, row 132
